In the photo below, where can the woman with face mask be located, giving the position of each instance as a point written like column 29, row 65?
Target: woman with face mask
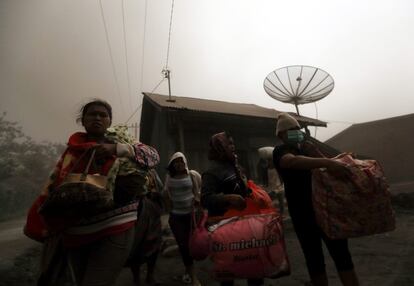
column 294, row 166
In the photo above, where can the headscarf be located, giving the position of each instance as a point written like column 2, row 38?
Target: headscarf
column 220, row 148
column 220, row 151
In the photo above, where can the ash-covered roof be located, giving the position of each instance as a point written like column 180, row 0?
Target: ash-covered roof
column 207, row 105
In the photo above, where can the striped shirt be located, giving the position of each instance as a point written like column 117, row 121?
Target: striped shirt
column 181, row 195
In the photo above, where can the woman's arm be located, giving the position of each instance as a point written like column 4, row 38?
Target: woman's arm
column 213, row 199
column 290, row 161
column 122, row 150
column 196, row 180
column 312, row 150
column 125, row 150
column 166, row 194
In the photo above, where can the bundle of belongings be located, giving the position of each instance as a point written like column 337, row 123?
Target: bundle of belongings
column 83, row 200
column 249, row 243
column 356, row 207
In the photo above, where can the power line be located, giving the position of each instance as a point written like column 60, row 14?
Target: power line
column 111, row 56
column 136, row 110
column 143, row 50
column 143, row 45
column 126, row 53
column 169, row 35
column 133, row 113
column 142, row 63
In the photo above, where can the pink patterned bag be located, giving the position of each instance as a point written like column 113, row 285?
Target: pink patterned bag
column 354, row 208
column 146, row 155
column 249, row 247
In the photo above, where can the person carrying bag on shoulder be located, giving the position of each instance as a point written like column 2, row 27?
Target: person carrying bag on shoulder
column 92, row 235
column 294, row 165
column 245, row 230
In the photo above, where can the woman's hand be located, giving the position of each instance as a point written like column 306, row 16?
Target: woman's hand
column 236, row 202
column 105, row 150
column 339, row 170
column 196, row 202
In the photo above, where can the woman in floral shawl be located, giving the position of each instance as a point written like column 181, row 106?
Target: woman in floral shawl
column 97, row 246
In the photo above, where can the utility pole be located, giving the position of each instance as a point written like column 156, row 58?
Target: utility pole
column 166, row 72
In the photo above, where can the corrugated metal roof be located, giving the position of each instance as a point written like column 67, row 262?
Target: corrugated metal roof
column 206, row 105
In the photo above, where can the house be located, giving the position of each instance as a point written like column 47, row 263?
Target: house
column 185, row 124
column 389, row 141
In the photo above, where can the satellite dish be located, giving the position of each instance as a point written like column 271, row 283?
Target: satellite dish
column 298, row 84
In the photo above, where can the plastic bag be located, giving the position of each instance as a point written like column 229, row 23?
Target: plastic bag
column 199, row 243
column 249, row 247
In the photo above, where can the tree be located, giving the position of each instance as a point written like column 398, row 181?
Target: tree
column 24, row 167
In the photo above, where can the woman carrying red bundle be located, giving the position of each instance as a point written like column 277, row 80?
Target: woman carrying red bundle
column 224, row 187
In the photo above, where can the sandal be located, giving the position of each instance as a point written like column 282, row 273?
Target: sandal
column 185, row 278
column 196, row 282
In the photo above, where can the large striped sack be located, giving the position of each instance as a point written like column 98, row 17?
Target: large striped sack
column 248, row 247
column 353, row 208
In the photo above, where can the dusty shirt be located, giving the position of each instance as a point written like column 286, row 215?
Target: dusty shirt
column 181, row 194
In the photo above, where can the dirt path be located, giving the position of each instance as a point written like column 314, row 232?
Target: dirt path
column 12, row 242
column 380, row 260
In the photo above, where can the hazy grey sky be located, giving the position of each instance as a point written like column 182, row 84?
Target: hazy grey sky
column 54, row 56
